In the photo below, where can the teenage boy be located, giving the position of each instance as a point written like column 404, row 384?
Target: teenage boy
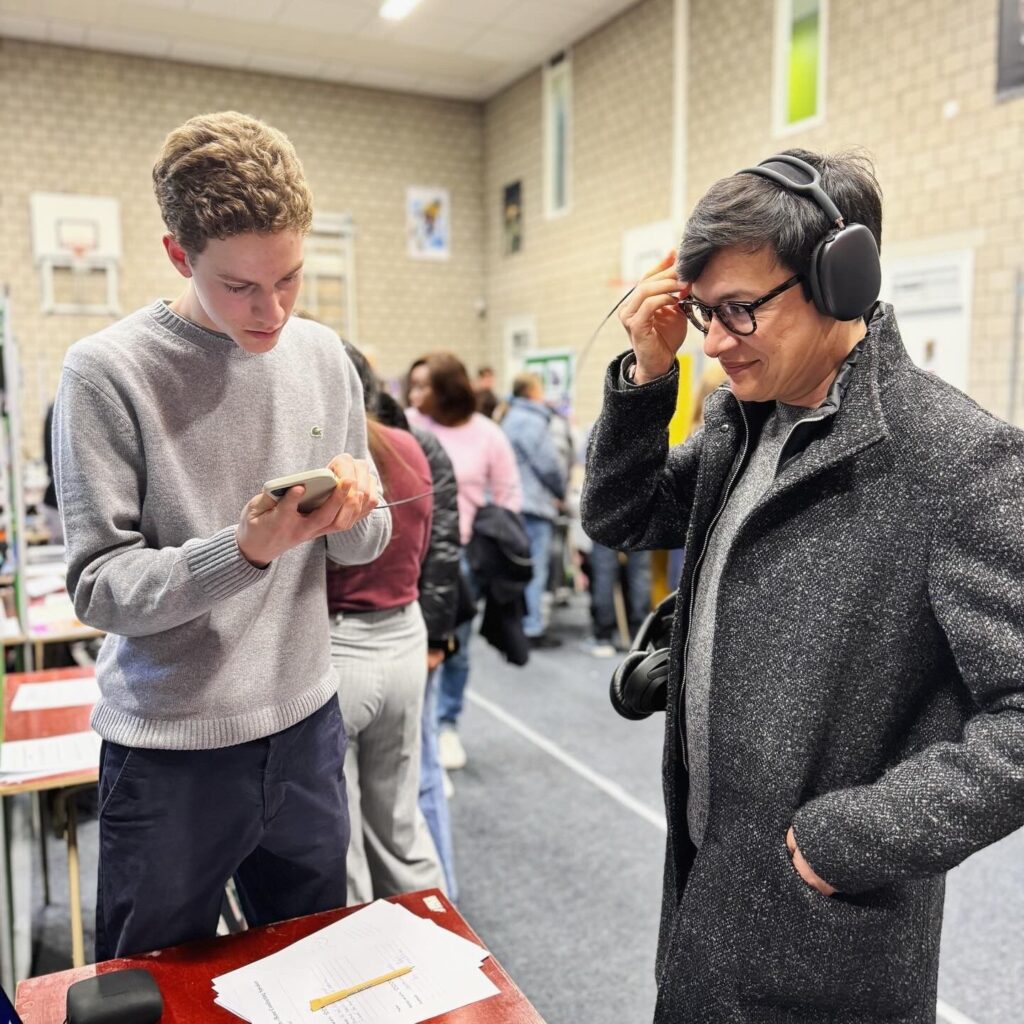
column 223, row 742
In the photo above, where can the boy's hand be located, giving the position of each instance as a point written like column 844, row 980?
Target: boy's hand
column 269, row 528
column 360, row 495
column 654, row 322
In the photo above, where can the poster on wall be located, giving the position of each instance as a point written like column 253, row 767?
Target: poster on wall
column 1010, row 80
column 428, row 223
column 645, row 247
column 932, row 298
column 518, row 337
column 554, row 366
column 512, row 216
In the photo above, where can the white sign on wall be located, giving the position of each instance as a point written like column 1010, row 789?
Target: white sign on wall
column 931, row 296
column 519, row 337
column 645, row 247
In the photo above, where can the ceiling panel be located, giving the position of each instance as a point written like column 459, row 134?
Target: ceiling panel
column 327, row 15
column 512, row 47
column 422, row 29
column 465, row 49
column 537, row 18
column 243, row 10
column 475, row 12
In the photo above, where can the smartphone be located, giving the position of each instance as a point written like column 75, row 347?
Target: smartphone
column 319, row 484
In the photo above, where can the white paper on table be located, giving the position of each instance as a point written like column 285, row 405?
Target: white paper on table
column 10, row 628
column 380, row 938
column 39, row 586
column 77, row 751
column 63, row 693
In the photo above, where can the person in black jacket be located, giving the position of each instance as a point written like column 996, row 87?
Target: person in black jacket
column 845, row 703
column 439, row 599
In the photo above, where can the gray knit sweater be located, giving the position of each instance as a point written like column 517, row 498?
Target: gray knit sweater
column 162, row 432
column 747, row 491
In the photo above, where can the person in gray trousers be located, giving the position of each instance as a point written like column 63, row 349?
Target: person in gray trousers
column 845, row 718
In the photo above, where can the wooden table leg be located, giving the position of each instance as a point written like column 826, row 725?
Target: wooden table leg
column 8, row 976
column 42, row 823
column 74, row 886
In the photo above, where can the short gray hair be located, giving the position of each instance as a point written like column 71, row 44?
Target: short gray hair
column 750, row 213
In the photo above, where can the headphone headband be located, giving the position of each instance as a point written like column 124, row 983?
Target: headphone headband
column 844, row 274
column 806, row 181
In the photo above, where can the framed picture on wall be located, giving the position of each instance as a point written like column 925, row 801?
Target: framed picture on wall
column 427, row 223
column 512, row 217
column 1010, row 76
column 555, row 368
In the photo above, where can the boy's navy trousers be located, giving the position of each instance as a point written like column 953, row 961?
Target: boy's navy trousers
column 175, row 825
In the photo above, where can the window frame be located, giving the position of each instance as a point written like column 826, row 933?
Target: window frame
column 560, row 68
column 780, row 69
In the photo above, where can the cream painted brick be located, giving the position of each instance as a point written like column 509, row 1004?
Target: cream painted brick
column 86, row 122
column 80, row 121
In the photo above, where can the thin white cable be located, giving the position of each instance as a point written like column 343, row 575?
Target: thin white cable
column 949, row 1015
column 601, row 782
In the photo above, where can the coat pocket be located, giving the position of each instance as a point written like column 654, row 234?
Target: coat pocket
column 868, row 952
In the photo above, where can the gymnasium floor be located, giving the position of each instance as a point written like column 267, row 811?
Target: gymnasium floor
column 559, row 834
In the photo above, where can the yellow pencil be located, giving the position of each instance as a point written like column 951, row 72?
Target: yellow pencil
column 336, row 997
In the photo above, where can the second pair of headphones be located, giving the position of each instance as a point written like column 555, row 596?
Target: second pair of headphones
column 640, row 683
column 845, row 273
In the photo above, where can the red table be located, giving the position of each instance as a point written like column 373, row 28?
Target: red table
column 184, row 973
column 34, row 725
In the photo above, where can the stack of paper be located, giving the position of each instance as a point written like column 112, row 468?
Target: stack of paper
column 62, row 693
column 21, row 760
column 374, row 941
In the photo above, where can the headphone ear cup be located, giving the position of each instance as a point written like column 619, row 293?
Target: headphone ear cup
column 622, row 684
column 814, row 278
column 646, row 690
column 846, row 273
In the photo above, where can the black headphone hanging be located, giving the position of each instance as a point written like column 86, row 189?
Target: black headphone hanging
column 639, row 684
column 845, row 274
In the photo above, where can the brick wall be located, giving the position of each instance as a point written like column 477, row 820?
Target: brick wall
column 621, row 178
column 87, row 122
column 72, row 120
column 891, row 70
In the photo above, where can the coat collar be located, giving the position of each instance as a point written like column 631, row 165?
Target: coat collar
column 851, row 419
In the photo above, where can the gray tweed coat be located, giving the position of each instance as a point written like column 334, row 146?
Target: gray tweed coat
column 868, row 684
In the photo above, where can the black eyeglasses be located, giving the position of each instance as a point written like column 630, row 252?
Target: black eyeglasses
column 736, row 317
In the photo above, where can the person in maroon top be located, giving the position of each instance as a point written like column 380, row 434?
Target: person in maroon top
column 379, row 650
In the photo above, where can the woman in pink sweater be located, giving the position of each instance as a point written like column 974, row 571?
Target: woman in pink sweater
column 441, row 400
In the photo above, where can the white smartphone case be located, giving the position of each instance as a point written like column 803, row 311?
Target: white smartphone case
column 319, row 484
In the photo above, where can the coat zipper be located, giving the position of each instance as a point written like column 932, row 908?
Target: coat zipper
column 696, row 572
column 789, row 437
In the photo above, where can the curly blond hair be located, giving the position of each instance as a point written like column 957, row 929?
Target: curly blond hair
column 226, row 174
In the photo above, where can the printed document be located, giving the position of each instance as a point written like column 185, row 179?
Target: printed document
column 380, row 938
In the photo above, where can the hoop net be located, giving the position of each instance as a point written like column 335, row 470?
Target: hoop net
column 80, row 257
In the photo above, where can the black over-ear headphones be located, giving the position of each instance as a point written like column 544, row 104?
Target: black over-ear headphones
column 845, row 273
column 640, row 683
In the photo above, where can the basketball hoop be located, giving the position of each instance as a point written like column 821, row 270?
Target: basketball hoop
column 80, row 257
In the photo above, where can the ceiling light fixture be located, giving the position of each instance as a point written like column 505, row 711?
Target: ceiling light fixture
column 395, row 10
